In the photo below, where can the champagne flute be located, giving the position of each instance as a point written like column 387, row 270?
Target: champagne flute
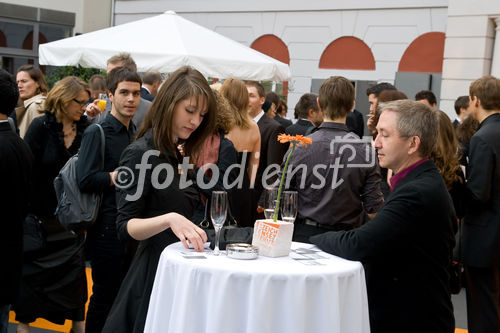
column 288, row 203
column 270, row 201
column 218, row 212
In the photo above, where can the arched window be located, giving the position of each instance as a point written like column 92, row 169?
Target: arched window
column 424, row 54
column 347, row 53
column 272, row 46
column 28, row 40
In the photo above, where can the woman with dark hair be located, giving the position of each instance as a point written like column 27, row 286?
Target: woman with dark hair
column 183, row 113
column 54, row 285
column 445, row 157
column 32, row 91
column 245, row 136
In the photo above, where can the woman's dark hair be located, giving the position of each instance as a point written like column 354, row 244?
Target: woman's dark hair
column 184, row 83
column 445, row 154
column 37, row 76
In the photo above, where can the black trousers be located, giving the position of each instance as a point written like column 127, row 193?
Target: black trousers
column 109, row 267
column 483, row 299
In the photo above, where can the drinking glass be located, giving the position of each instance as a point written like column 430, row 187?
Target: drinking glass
column 218, row 212
column 101, row 101
column 270, row 201
column 288, row 205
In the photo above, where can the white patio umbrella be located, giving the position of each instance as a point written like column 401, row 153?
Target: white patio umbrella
column 165, row 42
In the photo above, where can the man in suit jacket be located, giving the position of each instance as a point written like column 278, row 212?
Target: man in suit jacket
column 481, row 225
column 94, row 113
column 274, row 102
column 406, row 249
column 355, row 123
column 15, row 173
column 309, row 115
column 151, row 81
column 462, row 110
column 271, row 150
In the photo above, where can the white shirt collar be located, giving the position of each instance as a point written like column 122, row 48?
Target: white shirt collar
column 4, row 121
column 459, row 120
column 257, row 117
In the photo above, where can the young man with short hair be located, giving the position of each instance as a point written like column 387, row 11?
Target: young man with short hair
column 462, row 110
column 309, row 115
column 107, row 254
column 93, row 111
column 334, row 190
column 271, row 150
column 481, row 225
column 426, row 97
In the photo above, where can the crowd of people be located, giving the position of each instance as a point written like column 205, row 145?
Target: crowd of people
column 395, row 200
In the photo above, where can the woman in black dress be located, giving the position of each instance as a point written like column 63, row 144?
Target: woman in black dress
column 154, row 204
column 54, row 285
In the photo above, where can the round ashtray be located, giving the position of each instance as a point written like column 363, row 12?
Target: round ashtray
column 242, row 251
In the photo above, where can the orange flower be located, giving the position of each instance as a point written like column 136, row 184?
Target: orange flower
column 294, row 139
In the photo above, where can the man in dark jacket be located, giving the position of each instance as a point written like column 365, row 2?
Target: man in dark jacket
column 108, row 255
column 481, row 229
column 15, row 174
column 309, row 115
column 406, row 249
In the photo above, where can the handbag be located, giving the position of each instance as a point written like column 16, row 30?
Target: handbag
column 34, row 237
column 76, row 210
column 206, row 223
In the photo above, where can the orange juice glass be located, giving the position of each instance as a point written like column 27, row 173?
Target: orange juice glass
column 101, row 104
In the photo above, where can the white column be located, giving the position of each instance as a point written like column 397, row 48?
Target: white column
column 495, row 61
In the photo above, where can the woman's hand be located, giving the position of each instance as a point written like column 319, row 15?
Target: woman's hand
column 92, row 110
column 186, row 230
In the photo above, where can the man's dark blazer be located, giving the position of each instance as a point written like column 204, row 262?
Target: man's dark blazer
column 283, row 121
column 16, row 163
column 481, row 228
column 301, row 127
column 271, row 150
column 406, row 251
column 146, row 94
column 355, row 123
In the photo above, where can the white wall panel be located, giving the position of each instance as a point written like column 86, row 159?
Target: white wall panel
column 468, row 47
column 306, row 50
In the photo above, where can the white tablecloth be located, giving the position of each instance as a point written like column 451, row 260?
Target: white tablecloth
column 266, row 295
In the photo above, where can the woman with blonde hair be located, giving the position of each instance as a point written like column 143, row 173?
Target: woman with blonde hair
column 245, row 136
column 54, row 285
column 32, row 93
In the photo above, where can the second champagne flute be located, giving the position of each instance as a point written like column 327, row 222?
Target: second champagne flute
column 289, row 206
column 218, row 212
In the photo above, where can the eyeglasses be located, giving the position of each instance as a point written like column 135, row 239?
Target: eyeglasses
column 84, row 103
